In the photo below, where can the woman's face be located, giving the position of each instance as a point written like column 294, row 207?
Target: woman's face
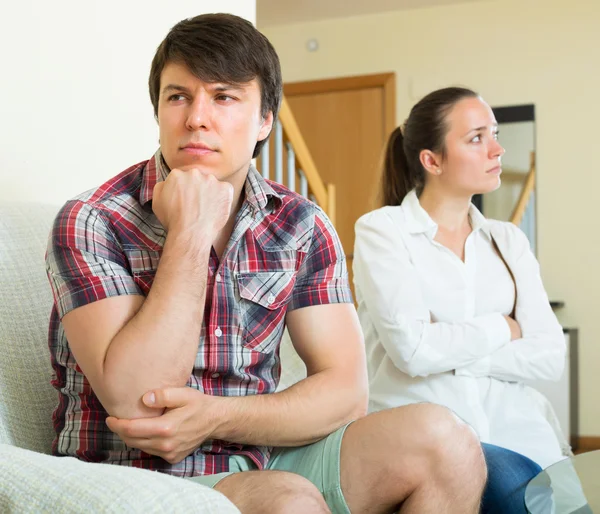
column 471, row 164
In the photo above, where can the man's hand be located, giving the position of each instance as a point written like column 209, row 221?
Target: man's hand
column 189, row 419
column 192, row 200
column 515, row 328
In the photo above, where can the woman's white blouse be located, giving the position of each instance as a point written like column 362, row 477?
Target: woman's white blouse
column 434, row 326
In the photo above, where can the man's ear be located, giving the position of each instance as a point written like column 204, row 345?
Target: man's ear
column 267, row 125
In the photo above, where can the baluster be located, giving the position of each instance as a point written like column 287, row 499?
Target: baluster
column 264, row 160
column 278, row 153
column 291, row 168
column 303, row 184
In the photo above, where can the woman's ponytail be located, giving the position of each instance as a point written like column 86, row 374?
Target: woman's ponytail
column 395, row 177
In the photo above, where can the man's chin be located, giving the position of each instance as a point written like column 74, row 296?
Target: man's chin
column 221, row 175
column 191, row 164
column 204, row 169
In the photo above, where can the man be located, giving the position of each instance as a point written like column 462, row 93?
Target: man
column 173, row 283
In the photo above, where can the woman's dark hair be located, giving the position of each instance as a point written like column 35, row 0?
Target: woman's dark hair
column 221, row 48
column 424, row 129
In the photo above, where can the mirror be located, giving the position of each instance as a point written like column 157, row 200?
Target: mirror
column 514, row 200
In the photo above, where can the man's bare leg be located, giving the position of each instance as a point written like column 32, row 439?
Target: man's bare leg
column 415, row 459
column 272, row 492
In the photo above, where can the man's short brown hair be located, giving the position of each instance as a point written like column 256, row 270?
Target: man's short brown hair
column 221, row 48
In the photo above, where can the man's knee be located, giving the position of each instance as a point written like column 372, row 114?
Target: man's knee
column 442, row 439
column 295, row 494
column 453, row 445
column 273, row 492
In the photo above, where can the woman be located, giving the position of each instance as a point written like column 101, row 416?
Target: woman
column 451, row 304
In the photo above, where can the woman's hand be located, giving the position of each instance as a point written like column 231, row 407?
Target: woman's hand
column 515, row 328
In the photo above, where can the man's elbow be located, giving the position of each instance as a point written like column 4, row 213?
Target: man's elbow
column 121, row 394
column 123, row 399
column 124, row 406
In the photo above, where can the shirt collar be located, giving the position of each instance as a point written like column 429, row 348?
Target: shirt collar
column 156, row 171
column 257, row 190
column 419, row 221
column 479, row 221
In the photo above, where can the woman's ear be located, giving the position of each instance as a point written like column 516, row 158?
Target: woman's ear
column 431, row 162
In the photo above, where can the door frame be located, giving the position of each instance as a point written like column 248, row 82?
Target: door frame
column 387, row 81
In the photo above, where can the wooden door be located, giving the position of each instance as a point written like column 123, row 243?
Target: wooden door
column 345, row 123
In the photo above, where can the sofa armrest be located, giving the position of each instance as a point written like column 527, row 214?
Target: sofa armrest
column 32, row 482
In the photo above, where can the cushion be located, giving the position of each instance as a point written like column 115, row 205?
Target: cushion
column 26, row 397
column 32, row 483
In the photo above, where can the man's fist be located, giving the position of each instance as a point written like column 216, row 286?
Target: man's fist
column 192, row 200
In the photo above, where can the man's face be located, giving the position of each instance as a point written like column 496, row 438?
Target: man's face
column 210, row 126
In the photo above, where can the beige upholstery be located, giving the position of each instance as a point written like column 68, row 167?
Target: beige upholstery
column 31, row 482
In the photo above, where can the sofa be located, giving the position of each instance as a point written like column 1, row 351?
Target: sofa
column 31, row 480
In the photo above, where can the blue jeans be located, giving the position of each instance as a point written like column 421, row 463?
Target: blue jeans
column 508, row 475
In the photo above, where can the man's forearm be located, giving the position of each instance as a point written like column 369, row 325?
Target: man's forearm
column 302, row 414
column 158, row 346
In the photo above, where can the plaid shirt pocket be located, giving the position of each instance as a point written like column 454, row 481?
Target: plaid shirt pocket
column 264, row 299
column 143, row 264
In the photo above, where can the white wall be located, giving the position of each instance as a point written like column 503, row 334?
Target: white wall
column 74, row 103
column 543, row 52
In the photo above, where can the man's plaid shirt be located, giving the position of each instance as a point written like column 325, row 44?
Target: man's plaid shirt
column 283, row 254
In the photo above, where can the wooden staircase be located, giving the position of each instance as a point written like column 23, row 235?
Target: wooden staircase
column 293, row 166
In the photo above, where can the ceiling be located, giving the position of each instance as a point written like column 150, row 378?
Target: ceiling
column 283, row 12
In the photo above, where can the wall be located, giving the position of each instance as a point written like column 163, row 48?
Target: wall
column 75, row 108
column 514, row 52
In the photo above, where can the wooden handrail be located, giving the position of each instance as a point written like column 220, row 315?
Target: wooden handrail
column 526, row 192
column 324, row 196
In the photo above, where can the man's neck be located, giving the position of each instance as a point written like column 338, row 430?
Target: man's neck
column 239, row 195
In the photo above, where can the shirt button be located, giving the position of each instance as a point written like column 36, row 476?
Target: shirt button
column 218, row 332
column 270, row 299
column 215, row 375
column 218, row 277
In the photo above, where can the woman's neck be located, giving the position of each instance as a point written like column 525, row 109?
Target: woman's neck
column 449, row 212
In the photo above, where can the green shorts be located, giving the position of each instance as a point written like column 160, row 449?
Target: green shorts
column 318, row 462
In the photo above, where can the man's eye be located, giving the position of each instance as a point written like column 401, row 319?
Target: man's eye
column 225, row 98
column 476, row 139
column 175, row 98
